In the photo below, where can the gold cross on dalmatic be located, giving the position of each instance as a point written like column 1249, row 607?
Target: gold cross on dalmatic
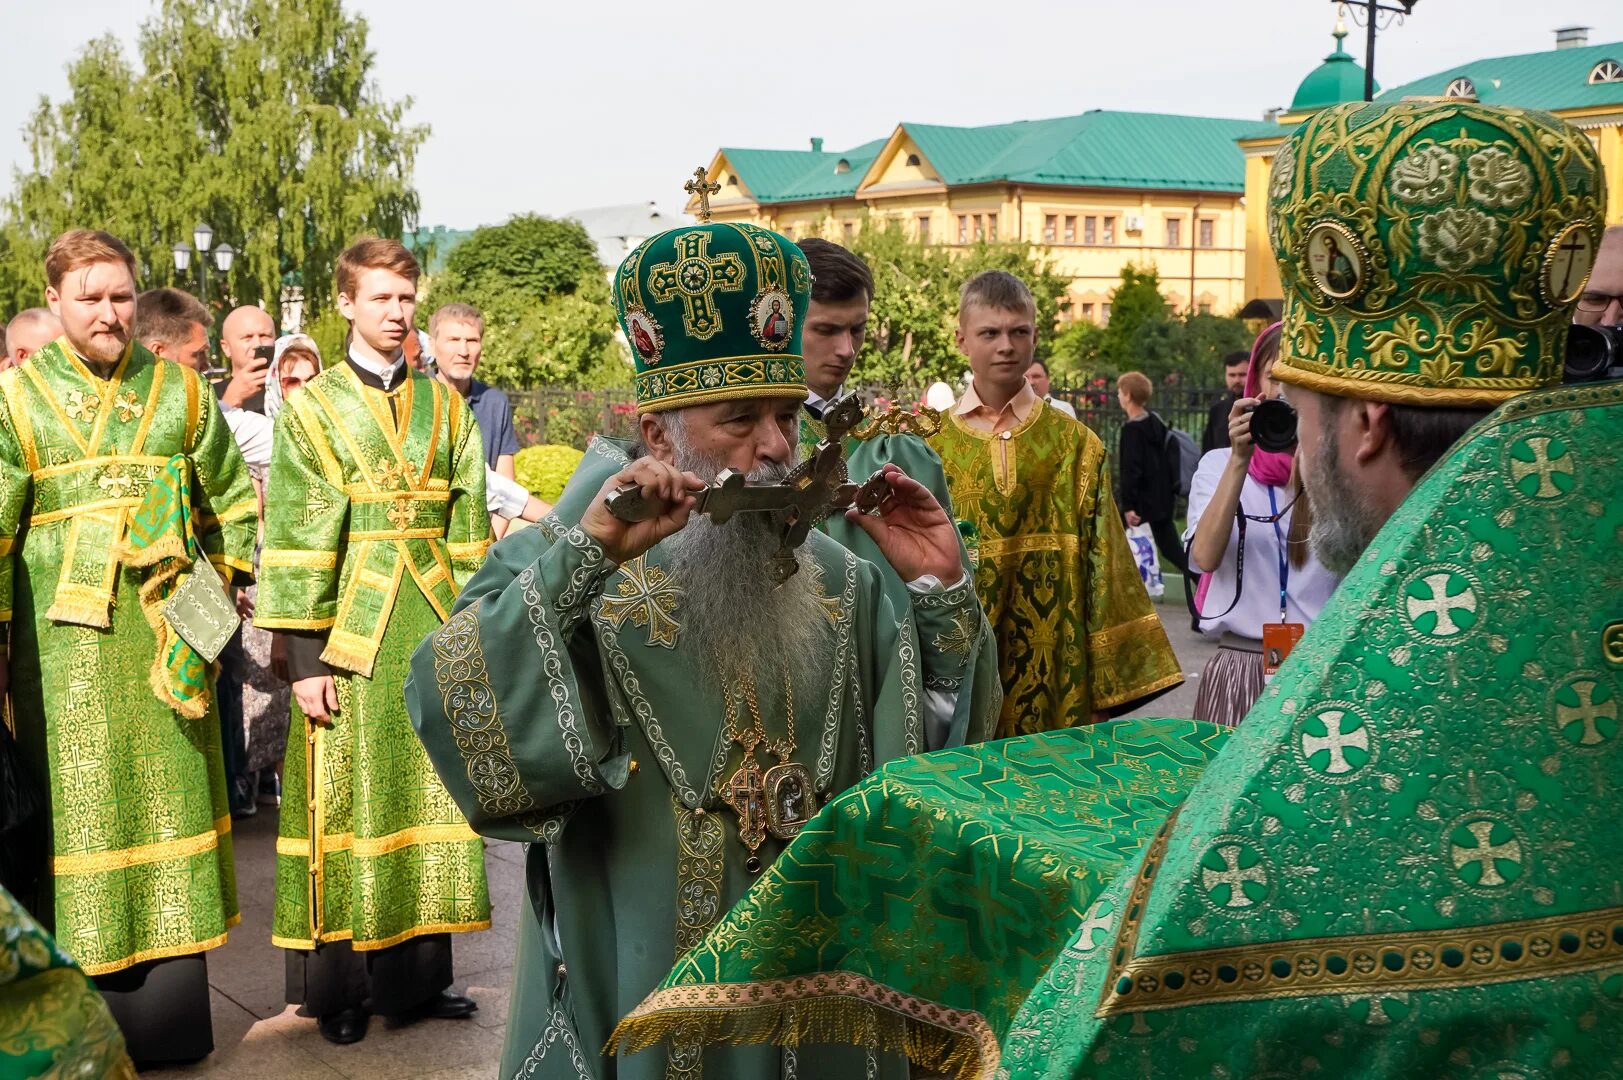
column 702, row 186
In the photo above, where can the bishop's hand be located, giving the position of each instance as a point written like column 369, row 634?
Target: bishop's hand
column 912, row 531
column 664, row 486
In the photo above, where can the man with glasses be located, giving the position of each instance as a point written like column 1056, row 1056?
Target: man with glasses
column 1601, row 303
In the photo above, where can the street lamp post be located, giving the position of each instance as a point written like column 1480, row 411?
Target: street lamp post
column 1372, row 10
column 222, row 256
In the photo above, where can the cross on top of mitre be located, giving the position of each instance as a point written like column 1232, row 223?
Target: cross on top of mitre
column 702, row 186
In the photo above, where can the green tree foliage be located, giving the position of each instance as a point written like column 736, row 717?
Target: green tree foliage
column 915, row 307
column 549, row 316
column 259, row 117
column 1143, row 335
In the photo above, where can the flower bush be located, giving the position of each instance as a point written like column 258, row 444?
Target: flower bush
column 545, row 469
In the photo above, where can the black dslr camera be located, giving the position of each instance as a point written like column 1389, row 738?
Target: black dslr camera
column 1273, row 425
column 1594, row 353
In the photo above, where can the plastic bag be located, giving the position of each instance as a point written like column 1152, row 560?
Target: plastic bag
column 1149, row 563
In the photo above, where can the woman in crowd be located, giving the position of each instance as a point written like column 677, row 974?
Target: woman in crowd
column 1280, row 582
column 266, row 696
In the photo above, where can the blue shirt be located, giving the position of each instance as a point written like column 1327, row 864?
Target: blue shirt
column 495, row 415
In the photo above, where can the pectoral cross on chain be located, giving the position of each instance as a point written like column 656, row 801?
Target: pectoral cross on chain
column 702, row 186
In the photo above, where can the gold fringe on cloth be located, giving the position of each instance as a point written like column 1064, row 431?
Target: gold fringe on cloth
column 841, row 1008
column 169, row 558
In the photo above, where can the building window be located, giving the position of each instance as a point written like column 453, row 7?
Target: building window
column 980, row 229
column 1174, row 232
column 1070, row 229
column 1050, row 227
column 1087, row 312
column 1090, row 230
column 991, row 228
column 963, row 228
column 1461, row 88
column 1207, row 229
column 1606, row 71
column 849, row 231
column 1109, row 234
column 1066, row 315
column 1205, row 307
column 1104, row 309
column 913, row 160
column 924, row 228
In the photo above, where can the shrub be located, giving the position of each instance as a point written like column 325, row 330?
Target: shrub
column 545, row 469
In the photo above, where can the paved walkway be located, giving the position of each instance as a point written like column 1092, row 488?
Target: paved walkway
column 257, row 1035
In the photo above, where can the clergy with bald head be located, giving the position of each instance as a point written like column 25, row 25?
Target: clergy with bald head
column 27, row 332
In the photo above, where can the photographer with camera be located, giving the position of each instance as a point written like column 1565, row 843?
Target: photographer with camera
column 1252, row 482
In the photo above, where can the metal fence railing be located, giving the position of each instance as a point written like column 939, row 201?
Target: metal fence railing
column 571, row 417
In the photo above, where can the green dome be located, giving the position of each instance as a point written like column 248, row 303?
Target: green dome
column 1340, row 78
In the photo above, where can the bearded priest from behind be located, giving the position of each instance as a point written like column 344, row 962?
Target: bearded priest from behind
column 1077, row 637
column 646, row 705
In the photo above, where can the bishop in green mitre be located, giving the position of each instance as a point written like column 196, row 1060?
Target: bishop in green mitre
column 646, row 705
column 1403, row 863
column 836, row 323
column 114, row 713
column 375, row 518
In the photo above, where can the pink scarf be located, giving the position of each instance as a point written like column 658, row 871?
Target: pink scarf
column 1271, row 468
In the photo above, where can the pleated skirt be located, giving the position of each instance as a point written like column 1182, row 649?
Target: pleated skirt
column 1231, row 682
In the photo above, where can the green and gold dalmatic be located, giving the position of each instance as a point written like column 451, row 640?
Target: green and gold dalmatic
column 1075, row 630
column 141, row 833
column 376, row 516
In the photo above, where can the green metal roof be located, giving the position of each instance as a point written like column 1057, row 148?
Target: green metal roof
column 1094, row 149
column 1550, row 80
column 1340, row 78
column 775, row 176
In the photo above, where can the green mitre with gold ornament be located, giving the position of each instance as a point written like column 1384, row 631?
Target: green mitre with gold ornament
column 713, row 312
column 1431, row 252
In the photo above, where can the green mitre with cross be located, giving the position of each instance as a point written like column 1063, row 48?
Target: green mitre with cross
column 1431, row 252
column 713, row 312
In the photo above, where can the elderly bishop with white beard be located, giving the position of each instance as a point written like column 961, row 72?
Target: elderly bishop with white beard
column 648, row 707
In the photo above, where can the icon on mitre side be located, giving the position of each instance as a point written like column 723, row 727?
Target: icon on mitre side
column 772, row 318
column 647, row 340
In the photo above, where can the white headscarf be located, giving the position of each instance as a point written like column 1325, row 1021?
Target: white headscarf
column 273, row 380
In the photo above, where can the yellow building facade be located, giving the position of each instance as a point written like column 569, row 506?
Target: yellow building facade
column 1581, row 83
column 1094, row 193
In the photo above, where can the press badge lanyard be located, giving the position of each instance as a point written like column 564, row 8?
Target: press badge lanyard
column 1240, row 518
column 1278, row 639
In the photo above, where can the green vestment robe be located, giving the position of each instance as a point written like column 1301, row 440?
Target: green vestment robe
column 53, row 1023
column 1076, row 632
column 561, row 707
column 1402, row 864
column 140, row 827
column 375, row 516
column 1405, row 861
column 867, row 450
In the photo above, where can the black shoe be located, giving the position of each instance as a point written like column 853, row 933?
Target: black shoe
column 344, row 1027
column 450, row 1007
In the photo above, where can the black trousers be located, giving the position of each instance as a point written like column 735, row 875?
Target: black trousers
column 388, row 982
column 1168, row 542
column 162, row 1006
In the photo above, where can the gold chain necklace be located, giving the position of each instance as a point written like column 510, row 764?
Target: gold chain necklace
column 779, row 800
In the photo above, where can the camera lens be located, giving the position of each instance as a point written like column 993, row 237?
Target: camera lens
column 1592, row 352
column 1273, row 426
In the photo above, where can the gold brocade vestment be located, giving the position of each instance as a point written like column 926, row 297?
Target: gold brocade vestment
column 1076, row 633
column 140, row 830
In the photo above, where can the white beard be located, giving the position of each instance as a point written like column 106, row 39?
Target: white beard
column 740, row 621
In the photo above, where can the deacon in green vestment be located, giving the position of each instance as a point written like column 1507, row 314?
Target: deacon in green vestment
column 375, row 518
column 836, row 322
column 112, row 710
column 1404, row 862
column 647, row 706
column 1077, row 637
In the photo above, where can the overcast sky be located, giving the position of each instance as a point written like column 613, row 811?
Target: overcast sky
column 550, row 107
